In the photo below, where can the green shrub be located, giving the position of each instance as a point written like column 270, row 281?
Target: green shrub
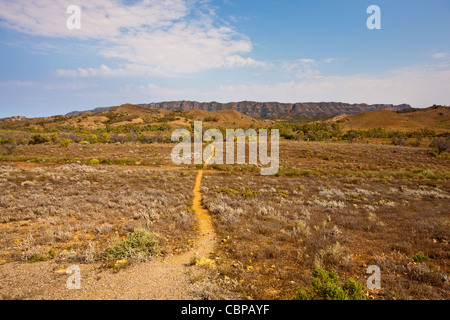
column 249, row 193
column 39, row 139
column 54, row 137
column 246, row 193
column 354, row 289
column 140, row 242
column 420, row 257
column 211, row 119
column 441, row 145
column 293, row 172
column 37, row 257
column 229, row 191
column 52, row 252
column 93, row 139
column 301, row 294
column 398, row 142
column 429, row 174
column 94, row 161
column 327, row 286
column 65, row 143
column 9, row 145
column 106, row 137
column 282, row 194
column 164, row 127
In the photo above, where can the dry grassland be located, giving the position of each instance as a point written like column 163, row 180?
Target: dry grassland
column 340, row 206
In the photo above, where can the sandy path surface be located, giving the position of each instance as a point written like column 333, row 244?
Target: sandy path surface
column 159, row 279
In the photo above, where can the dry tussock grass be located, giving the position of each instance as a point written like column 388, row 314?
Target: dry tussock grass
column 338, row 205
column 77, row 210
column 352, row 212
column 272, row 242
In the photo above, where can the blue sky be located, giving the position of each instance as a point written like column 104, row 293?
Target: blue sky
column 222, row 50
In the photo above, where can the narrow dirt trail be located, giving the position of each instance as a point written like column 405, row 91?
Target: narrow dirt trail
column 158, row 279
column 207, row 237
column 169, row 277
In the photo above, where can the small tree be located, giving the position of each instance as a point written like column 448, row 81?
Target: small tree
column 10, row 146
column 398, row 142
column 442, row 145
column 351, row 135
column 39, row 139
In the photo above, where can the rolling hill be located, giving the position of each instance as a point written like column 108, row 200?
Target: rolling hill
column 129, row 114
column 435, row 118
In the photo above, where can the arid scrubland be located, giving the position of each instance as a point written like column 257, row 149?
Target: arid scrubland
column 275, row 231
column 340, row 206
column 74, row 211
column 131, row 154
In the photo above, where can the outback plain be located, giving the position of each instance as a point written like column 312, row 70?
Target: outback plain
column 99, row 191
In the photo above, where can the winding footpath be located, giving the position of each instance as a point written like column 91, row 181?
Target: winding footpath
column 207, row 237
column 158, row 279
column 168, row 279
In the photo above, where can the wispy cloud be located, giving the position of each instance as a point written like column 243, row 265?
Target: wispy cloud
column 156, row 37
column 440, row 55
column 330, row 60
column 302, row 68
column 21, row 84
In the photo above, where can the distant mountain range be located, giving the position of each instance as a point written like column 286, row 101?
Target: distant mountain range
column 161, row 116
column 268, row 109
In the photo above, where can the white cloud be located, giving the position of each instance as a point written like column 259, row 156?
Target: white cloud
column 329, row 60
column 162, row 37
column 302, row 68
column 440, row 55
column 99, row 18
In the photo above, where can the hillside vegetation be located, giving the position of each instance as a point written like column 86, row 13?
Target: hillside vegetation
column 136, row 124
column 130, row 117
column 435, row 118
